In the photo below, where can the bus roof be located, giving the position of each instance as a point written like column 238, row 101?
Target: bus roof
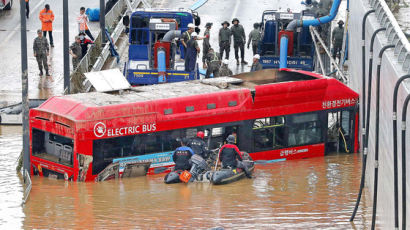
column 266, row 87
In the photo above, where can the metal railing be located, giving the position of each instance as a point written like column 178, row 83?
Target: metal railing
column 96, row 56
column 394, row 33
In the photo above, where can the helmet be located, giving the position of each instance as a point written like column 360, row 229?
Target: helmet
column 194, row 34
column 340, row 22
column 256, row 25
column 235, row 19
column 225, row 61
column 230, row 139
column 257, row 56
column 208, row 24
column 225, row 22
column 190, row 25
column 200, row 134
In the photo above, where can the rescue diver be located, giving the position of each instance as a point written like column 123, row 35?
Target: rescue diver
column 231, row 157
column 191, row 53
column 182, row 156
column 197, row 144
column 213, row 61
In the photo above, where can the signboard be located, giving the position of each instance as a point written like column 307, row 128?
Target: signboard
column 286, row 16
column 157, row 160
column 294, row 63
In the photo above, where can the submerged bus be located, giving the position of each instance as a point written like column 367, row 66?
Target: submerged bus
column 276, row 115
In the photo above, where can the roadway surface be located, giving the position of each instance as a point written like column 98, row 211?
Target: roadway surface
column 10, row 49
column 215, row 11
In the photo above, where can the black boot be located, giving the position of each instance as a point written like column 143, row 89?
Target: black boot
column 237, row 61
column 41, row 72
column 47, row 74
column 244, row 62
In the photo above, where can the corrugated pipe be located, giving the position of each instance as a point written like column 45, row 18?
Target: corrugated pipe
column 317, row 21
column 283, row 60
column 171, row 35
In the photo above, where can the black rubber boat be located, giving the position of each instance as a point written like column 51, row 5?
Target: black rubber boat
column 200, row 171
column 226, row 176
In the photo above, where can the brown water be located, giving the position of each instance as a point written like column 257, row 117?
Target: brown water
column 310, row 193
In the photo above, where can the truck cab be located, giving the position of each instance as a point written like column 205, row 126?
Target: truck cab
column 153, row 56
column 301, row 50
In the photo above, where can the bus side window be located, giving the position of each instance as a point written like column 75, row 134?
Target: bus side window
column 305, row 129
column 269, row 133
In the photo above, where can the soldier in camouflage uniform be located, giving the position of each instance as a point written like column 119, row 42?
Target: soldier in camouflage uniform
column 213, row 63
column 239, row 40
column 224, row 70
column 337, row 39
column 76, row 52
column 41, row 51
column 255, row 37
column 224, row 40
column 205, row 44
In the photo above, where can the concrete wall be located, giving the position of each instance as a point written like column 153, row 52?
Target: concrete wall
column 390, row 72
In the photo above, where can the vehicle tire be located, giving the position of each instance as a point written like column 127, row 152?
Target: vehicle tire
column 8, row 6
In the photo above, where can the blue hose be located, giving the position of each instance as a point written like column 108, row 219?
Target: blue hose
column 161, row 65
column 283, row 60
column 317, row 21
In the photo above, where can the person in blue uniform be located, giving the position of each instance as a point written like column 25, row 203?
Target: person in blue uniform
column 191, row 53
column 182, row 156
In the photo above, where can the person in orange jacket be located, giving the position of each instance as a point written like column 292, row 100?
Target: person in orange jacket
column 27, row 9
column 47, row 17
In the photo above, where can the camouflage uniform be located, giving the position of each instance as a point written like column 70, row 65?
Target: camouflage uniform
column 327, row 5
column 255, row 37
column 40, row 50
column 337, row 35
column 76, row 49
column 225, row 71
column 214, row 63
column 206, row 46
column 224, row 42
column 239, row 38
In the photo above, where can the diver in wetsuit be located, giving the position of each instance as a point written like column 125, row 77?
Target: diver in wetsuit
column 231, row 157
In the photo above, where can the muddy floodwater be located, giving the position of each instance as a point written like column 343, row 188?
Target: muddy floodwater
column 301, row 194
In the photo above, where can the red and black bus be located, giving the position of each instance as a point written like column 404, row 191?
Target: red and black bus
column 276, row 115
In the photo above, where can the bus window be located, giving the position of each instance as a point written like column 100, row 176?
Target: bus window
column 269, row 133
column 305, row 129
column 52, row 147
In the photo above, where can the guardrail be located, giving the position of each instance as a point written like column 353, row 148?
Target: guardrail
column 96, row 56
column 394, row 33
column 27, row 181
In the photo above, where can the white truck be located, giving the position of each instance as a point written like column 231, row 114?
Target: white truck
column 6, row 4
